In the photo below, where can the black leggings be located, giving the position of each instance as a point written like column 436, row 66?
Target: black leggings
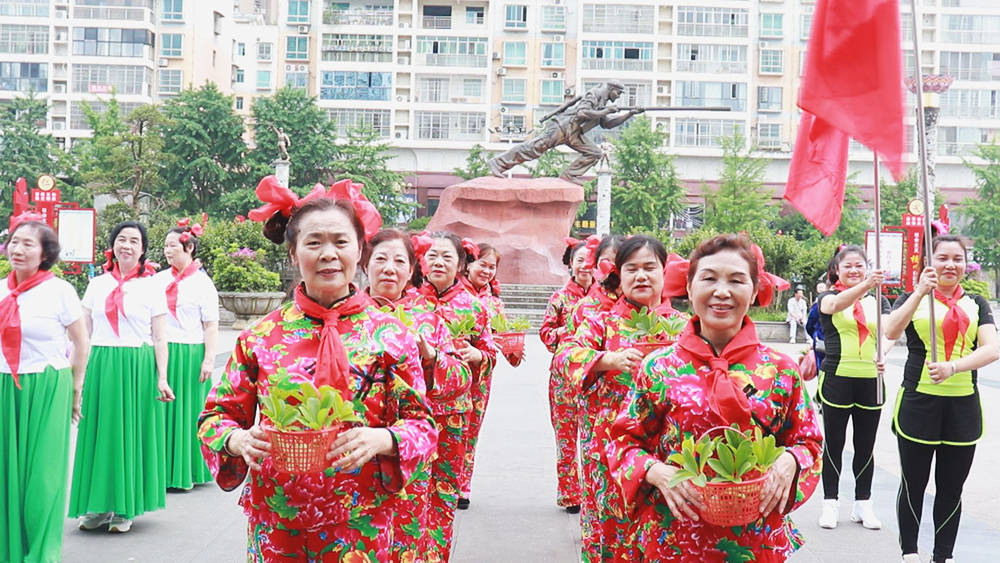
column 951, row 468
column 835, row 435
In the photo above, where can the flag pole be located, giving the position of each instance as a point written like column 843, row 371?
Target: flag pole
column 879, row 391
column 922, row 157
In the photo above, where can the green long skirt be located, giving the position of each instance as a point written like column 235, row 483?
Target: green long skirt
column 34, row 445
column 120, row 460
column 185, row 465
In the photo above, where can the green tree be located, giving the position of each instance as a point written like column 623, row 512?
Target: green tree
column 204, row 138
column 645, row 189
column 475, row 163
column 983, row 210
column 741, row 200
column 24, row 150
column 313, row 136
column 549, row 165
column 125, row 157
column 854, row 218
column 364, row 158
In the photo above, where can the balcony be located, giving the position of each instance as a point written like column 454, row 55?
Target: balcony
column 737, row 104
column 109, row 13
column 618, row 64
column 712, row 30
column 357, row 17
column 437, row 22
column 439, row 59
column 718, row 67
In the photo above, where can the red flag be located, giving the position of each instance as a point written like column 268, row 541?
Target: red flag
column 853, row 82
column 20, row 196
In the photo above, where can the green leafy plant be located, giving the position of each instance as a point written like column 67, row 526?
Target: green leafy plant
column 293, row 406
column 239, row 269
column 648, row 325
column 729, row 457
column 465, row 325
column 501, row 323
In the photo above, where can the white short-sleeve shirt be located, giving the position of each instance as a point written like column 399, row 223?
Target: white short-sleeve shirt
column 46, row 310
column 142, row 301
column 197, row 303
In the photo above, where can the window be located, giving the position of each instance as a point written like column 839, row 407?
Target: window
column 806, row 24
column 352, row 85
column 345, row 119
column 552, row 92
column 454, row 126
column 437, row 17
column 170, row 81
column 769, row 98
column 241, row 49
column 171, row 45
column 264, row 51
column 772, row 26
column 554, row 55
column 25, row 8
column 78, row 119
column 24, row 39
column 299, row 80
column 515, row 53
column 617, row 55
column 239, row 76
column 373, row 12
column 263, row 80
column 553, row 18
column 122, row 79
column 618, row 18
column 711, row 58
column 24, row 77
column 297, row 48
column 112, row 42
column 472, row 88
column 475, row 15
column 298, row 11
column 702, row 94
column 173, row 10
column 515, row 16
column 512, row 125
column 974, row 29
column 433, row 90
column 769, row 135
column 513, row 91
column 712, row 22
column 453, row 51
column 772, row 61
column 239, row 102
column 977, row 104
column 964, row 65
column 352, row 47
column 705, row 132
column 635, row 94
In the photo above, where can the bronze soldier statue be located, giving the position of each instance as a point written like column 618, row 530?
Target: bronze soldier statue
column 568, row 126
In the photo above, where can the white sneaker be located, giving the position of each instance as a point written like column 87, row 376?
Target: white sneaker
column 95, row 520
column 791, row 341
column 831, row 512
column 862, row 512
column 911, row 558
column 119, row 525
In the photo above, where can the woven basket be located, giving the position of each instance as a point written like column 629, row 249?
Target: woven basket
column 732, row 504
column 510, row 342
column 648, row 348
column 302, row 451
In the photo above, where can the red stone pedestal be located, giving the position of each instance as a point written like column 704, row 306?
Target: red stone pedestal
column 524, row 218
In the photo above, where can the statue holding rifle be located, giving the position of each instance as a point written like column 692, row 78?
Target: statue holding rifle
column 568, row 126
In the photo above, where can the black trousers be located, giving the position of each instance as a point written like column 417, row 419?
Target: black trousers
column 835, row 435
column 951, row 468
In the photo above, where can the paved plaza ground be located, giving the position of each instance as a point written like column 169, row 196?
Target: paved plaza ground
column 513, row 517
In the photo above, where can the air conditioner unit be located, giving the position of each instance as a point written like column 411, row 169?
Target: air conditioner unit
column 558, row 38
column 301, row 68
column 400, row 135
column 496, row 56
column 763, row 45
column 402, row 98
column 785, row 147
column 164, row 62
column 502, row 71
column 569, row 91
column 404, row 25
column 304, row 28
column 59, row 88
column 503, row 110
column 288, row 68
column 557, row 75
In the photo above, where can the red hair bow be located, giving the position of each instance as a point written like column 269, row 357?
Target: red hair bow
column 675, row 274
column 184, row 222
column 370, row 218
column 279, row 199
column 109, row 260
column 767, row 283
column 471, row 248
column 421, row 243
column 593, row 241
column 571, row 242
column 189, row 229
column 605, row 268
column 24, row 217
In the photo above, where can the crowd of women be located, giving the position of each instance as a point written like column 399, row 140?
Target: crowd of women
column 135, row 374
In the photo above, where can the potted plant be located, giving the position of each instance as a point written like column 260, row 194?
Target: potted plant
column 649, row 330
column 302, row 422
column 462, row 329
column 245, row 286
column 509, row 333
column 730, row 467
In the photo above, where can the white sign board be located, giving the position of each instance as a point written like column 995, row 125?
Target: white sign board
column 891, row 247
column 77, row 229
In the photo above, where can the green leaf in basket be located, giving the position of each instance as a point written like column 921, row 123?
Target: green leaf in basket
column 463, row 326
column 765, row 450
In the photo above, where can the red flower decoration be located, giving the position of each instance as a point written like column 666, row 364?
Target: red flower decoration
column 240, row 219
column 204, row 217
column 197, row 230
column 184, row 222
column 605, row 268
column 767, row 283
column 109, row 260
column 471, row 248
column 593, row 241
column 279, row 199
column 570, row 241
column 24, row 217
column 371, row 219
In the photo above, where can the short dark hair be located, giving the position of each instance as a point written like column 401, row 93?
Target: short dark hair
column 570, row 252
column 839, row 256
column 463, row 257
column 48, row 239
column 280, row 229
column 940, row 239
column 739, row 243
column 485, row 248
column 386, row 235
column 191, row 245
column 142, row 234
column 632, row 245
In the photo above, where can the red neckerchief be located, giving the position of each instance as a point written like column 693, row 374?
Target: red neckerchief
column 332, row 367
column 859, row 315
column 605, row 299
column 115, row 302
column 10, row 319
column 955, row 322
column 191, row 268
column 725, row 397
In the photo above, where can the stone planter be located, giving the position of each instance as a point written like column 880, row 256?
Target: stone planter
column 248, row 307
